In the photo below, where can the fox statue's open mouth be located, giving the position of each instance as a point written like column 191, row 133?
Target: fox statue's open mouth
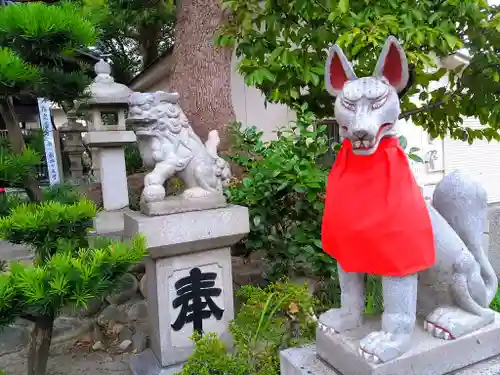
column 371, row 144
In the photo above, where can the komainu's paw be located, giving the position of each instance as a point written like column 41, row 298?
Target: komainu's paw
column 449, row 323
column 381, row 346
column 339, row 320
column 153, row 193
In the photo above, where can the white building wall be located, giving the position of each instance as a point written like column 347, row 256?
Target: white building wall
column 251, row 109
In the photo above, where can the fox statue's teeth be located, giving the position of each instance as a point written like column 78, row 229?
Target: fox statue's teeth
column 357, row 144
column 366, row 144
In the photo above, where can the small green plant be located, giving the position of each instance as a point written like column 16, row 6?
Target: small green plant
column 133, row 160
column 273, row 318
column 495, row 304
column 211, row 356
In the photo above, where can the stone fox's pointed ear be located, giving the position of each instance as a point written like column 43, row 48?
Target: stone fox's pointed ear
column 338, row 71
column 392, row 64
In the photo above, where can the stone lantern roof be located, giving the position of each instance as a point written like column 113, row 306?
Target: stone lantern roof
column 104, row 89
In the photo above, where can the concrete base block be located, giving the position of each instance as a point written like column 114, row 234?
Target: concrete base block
column 146, row 363
column 189, row 276
column 428, row 355
column 110, row 222
column 305, row 361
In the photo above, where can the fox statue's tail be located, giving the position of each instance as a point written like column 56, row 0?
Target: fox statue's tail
column 463, row 203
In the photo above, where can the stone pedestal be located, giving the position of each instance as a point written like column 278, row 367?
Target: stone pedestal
column 337, row 354
column 110, row 223
column 189, row 280
column 305, row 361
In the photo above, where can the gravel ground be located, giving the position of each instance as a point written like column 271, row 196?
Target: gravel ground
column 69, row 361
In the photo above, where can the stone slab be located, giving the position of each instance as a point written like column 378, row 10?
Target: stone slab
column 178, row 204
column 428, row 355
column 113, row 138
column 305, row 361
column 146, row 363
column 189, row 232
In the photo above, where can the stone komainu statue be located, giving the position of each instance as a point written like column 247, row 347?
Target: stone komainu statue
column 377, row 222
column 169, row 146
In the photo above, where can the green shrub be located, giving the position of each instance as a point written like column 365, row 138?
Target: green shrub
column 15, row 169
column 271, row 319
column 34, row 140
column 284, row 190
column 65, row 192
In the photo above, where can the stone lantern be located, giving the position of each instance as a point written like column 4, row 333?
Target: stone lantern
column 106, row 108
column 72, row 131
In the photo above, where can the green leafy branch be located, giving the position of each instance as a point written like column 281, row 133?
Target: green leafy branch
column 69, row 277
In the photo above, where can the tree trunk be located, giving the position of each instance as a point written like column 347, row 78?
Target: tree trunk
column 17, row 143
column 39, row 345
column 202, row 72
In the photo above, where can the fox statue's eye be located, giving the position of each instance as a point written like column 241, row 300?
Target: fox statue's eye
column 379, row 102
column 350, row 106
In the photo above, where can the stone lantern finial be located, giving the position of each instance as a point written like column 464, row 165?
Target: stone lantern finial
column 104, row 89
column 102, row 68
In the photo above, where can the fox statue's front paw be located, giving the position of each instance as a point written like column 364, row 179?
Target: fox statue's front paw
column 341, row 320
column 381, row 346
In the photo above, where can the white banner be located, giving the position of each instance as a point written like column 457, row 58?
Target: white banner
column 48, row 138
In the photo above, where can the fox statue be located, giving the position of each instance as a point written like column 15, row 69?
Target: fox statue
column 377, row 222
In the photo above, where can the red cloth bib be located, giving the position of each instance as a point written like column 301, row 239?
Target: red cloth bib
column 375, row 219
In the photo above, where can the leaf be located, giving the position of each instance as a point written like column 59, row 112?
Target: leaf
column 452, row 41
column 314, row 79
column 256, row 221
column 403, row 142
column 416, row 158
column 300, row 189
column 343, row 6
column 318, row 244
